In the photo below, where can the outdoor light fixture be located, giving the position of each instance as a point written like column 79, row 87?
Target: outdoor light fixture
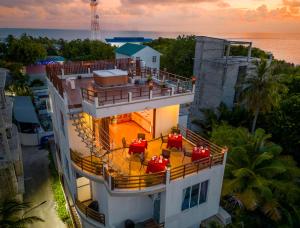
column 194, row 80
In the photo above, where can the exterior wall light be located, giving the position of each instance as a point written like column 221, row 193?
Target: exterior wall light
column 193, row 80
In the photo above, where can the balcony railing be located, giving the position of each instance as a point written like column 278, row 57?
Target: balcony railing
column 115, row 180
column 91, row 164
column 195, row 167
column 90, row 213
column 138, row 182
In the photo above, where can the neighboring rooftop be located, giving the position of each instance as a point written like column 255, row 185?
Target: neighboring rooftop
column 130, row 49
column 51, row 59
column 128, row 40
column 24, row 111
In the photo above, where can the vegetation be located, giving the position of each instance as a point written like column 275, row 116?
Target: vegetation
column 262, row 90
column 177, row 54
column 261, row 186
column 58, row 193
column 12, row 215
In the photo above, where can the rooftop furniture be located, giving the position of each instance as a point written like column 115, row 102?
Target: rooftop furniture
column 138, row 146
column 143, row 160
column 141, row 136
column 163, row 140
column 175, row 140
column 200, row 152
column 186, row 153
column 166, row 153
column 124, row 143
column 157, row 164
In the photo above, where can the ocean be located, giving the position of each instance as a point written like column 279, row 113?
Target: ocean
column 283, row 46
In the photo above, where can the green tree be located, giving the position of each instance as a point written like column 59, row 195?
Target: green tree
column 262, row 90
column 177, row 54
column 256, row 179
column 11, row 215
column 24, row 50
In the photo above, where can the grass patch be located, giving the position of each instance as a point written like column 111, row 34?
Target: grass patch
column 57, row 190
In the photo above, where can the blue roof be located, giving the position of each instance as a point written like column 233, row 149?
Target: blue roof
column 128, row 40
column 24, row 111
column 51, row 59
column 129, row 49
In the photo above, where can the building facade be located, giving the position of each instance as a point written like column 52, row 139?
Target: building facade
column 11, row 164
column 96, row 125
column 219, row 76
column 149, row 57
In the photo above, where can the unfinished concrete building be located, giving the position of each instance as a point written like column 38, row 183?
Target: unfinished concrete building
column 219, row 76
column 11, row 166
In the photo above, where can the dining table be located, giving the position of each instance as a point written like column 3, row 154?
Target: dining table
column 200, row 153
column 157, row 164
column 174, row 141
column 138, row 146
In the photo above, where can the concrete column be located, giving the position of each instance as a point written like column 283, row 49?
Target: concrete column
column 96, row 102
column 249, row 52
column 65, row 98
column 129, row 97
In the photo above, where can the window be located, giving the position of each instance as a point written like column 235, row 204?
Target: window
column 154, row 59
column 67, row 167
column 194, row 195
column 137, row 58
column 186, row 198
column 203, row 192
column 62, row 122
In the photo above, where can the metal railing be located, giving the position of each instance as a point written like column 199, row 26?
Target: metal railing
column 138, row 182
column 90, row 213
column 90, row 164
column 196, row 166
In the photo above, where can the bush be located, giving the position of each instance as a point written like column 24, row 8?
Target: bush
column 58, row 193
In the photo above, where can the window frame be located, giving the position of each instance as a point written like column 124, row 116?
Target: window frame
column 198, row 199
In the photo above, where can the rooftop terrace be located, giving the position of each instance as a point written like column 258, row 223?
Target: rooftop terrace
column 75, row 82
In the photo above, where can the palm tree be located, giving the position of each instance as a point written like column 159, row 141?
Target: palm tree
column 262, row 90
column 258, row 181
column 11, row 215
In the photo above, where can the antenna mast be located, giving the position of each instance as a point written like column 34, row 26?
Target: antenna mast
column 95, row 22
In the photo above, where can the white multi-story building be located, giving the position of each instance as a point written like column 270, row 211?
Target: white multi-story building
column 97, row 113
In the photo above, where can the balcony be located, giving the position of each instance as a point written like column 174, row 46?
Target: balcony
column 122, row 172
column 89, row 212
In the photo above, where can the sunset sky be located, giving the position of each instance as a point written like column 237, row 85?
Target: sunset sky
column 209, row 16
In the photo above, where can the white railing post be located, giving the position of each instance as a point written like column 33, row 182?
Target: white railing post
column 150, row 94
column 129, row 97
column 194, row 88
column 89, row 70
column 168, row 175
column 172, row 91
column 96, row 102
column 62, row 72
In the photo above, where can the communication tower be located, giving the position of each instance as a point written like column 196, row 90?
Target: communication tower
column 95, row 22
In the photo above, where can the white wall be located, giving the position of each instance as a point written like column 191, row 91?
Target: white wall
column 192, row 217
column 58, row 105
column 118, row 208
column 166, row 118
column 146, row 55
